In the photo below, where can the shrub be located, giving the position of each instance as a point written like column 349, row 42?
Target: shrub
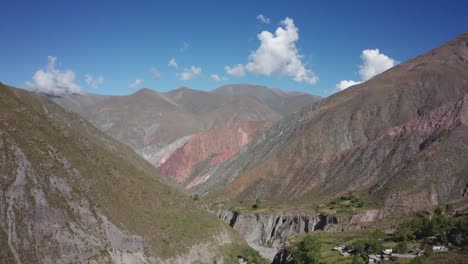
column 357, row 260
column 258, row 204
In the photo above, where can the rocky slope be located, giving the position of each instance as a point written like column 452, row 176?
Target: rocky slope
column 188, row 164
column 156, row 124
column 69, row 193
column 268, row 232
column 400, row 140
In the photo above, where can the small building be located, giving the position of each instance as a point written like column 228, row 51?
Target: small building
column 387, row 251
column 339, row 248
column 344, row 254
column 417, row 252
column 374, row 258
column 439, row 249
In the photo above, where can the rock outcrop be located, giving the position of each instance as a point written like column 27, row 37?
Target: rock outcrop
column 267, row 232
column 207, row 149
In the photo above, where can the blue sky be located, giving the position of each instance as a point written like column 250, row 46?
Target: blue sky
column 123, row 41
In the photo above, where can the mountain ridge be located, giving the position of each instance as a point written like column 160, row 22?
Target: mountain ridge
column 289, row 152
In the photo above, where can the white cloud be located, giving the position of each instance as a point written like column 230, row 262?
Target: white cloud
column 236, row 70
column 190, row 73
column 345, row 84
column 263, row 19
column 217, row 78
column 173, row 63
column 155, row 73
column 279, row 55
column 53, row 81
column 373, row 63
column 93, row 81
column 136, row 83
column 184, row 48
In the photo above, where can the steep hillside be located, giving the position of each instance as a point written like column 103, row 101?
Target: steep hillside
column 399, row 139
column 69, row 193
column 207, row 149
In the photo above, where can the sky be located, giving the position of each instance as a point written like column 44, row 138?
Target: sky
column 320, row 47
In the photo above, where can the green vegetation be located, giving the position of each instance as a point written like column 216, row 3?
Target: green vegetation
column 195, row 197
column 343, row 205
column 440, row 227
column 258, row 204
column 307, row 251
column 372, row 244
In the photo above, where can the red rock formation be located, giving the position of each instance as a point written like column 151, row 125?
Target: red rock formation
column 206, row 149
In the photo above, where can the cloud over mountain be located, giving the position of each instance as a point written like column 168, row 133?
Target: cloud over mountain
column 136, row 83
column 277, row 55
column 190, row 73
column 53, row 81
column 236, row 70
column 94, row 81
column 373, row 63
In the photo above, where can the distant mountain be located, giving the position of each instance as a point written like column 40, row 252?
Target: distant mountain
column 280, row 101
column 204, row 150
column 156, row 124
column 400, row 140
column 71, row 194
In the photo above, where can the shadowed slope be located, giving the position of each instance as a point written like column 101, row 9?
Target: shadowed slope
column 72, row 194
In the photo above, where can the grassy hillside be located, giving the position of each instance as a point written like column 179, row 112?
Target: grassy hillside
column 85, row 176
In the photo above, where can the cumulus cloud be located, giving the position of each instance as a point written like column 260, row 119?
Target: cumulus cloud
column 278, row 55
column 53, row 81
column 155, row 73
column 263, row 19
column 236, row 70
column 136, row 83
column 217, row 78
column 190, row 73
column 94, row 81
column 345, row 84
column 373, row 63
column 173, row 63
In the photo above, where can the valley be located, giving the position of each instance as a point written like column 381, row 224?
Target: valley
column 369, row 169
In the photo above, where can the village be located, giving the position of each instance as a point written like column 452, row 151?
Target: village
column 388, row 254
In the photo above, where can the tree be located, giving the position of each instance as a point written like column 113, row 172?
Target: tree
column 307, row 251
column 378, row 234
column 195, row 197
column 404, row 232
column 374, row 246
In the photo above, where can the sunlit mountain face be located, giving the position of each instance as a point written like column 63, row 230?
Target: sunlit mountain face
column 206, row 132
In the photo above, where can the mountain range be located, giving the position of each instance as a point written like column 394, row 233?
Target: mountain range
column 93, row 178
